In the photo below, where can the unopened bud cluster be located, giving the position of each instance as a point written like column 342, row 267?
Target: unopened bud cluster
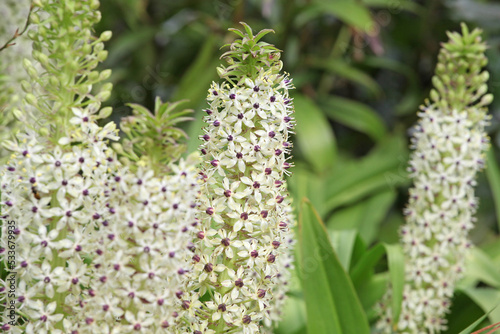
column 449, row 144
column 14, row 15
column 62, row 71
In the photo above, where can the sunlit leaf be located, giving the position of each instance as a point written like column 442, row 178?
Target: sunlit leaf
column 383, row 169
column 356, row 115
column 395, row 6
column 343, row 244
column 332, row 304
column 350, row 11
column 395, row 258
column 196, row 81
column 481, row 267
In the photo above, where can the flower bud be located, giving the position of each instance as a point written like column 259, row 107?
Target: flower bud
column 102, row 55
column 105, row 112
column 26, row 86
column 31, row 99
column 106, row 36
column 104, row 75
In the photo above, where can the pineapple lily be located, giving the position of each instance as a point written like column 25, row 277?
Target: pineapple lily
column 242, row 248
column 449, row 145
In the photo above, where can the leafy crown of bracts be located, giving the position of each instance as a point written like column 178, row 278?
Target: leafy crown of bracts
column 249, row 56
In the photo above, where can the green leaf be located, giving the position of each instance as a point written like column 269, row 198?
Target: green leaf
column 481, row 267
column 343, row 244
column 343, row 69
column 363, row 269
column 365, row 216
column 306, row 183
column 350, row 11
column 127, row 44
column 411, row 99
column 493, row 173
column 395, row 257
column 362, row 273
column 372, row 292
column 332, row 304
column 383, row 169
column 473, row 326
column 314, row 135
column 195, row 82
column 293, row 321
column 194, row 130
column 406, row 5
column 488, row 299
column 492, row 249
column 356, row 115
column 262, row 33
column 358, row 251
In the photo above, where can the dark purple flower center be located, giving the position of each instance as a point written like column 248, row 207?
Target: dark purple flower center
column 209, row 267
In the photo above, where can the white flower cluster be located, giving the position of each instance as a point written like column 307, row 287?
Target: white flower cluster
column 449, row 148
column 98, row 249
column 51, row 194
column 242, row 247
column 139, row 253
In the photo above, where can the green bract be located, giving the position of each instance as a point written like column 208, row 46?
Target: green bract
column 152, row 138
column 249, row 56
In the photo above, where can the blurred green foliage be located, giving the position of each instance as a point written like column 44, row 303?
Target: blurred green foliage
column 361, row 69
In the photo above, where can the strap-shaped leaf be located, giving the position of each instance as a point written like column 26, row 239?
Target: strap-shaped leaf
column 331, row 301
column 395, row 258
